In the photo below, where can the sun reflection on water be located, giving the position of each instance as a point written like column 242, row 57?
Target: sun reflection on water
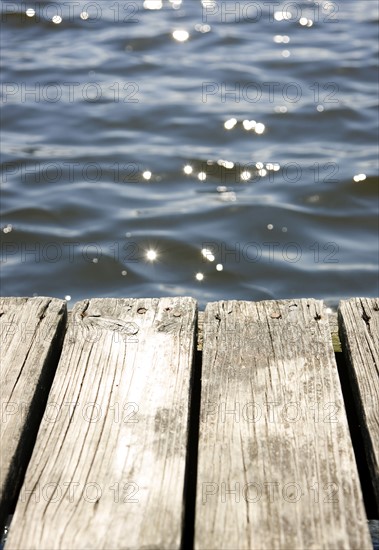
column 180, row 35
column 152, row 4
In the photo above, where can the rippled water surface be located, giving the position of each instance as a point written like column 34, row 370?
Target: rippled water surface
column 212, row 149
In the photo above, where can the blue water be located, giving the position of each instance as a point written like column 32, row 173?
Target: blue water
column 118, row 170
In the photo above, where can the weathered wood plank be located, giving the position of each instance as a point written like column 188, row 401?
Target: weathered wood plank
column 109, row 463
column 31, row 333
column 276, row 467
column 333, row 323
column 359, row 333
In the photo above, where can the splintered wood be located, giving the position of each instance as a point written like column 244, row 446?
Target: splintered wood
column 109, row 463
column 276, row 468
column 31, row 333
column 359, row 333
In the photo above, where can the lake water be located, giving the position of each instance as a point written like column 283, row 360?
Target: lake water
column 214, row 149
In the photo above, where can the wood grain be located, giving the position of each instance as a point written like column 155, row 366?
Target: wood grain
column 359, row 333
column 276, row 467
column 109, row 464
column 31, row 333
column 333, row 323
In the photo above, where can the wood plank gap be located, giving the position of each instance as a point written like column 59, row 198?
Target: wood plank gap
column 359, row 334
column 192, row 455
column 357, row 438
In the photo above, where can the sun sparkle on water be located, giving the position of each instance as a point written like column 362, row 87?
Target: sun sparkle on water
column 151, row 255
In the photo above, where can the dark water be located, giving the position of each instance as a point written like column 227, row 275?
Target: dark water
column 101, row 114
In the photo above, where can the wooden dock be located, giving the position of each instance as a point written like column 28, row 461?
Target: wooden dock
column 145, row 424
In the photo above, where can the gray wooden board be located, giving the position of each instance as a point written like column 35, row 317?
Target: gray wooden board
column 109, row 463
column 359, row 333
column 333, row 323
column 276, row 468
column 31, row 335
